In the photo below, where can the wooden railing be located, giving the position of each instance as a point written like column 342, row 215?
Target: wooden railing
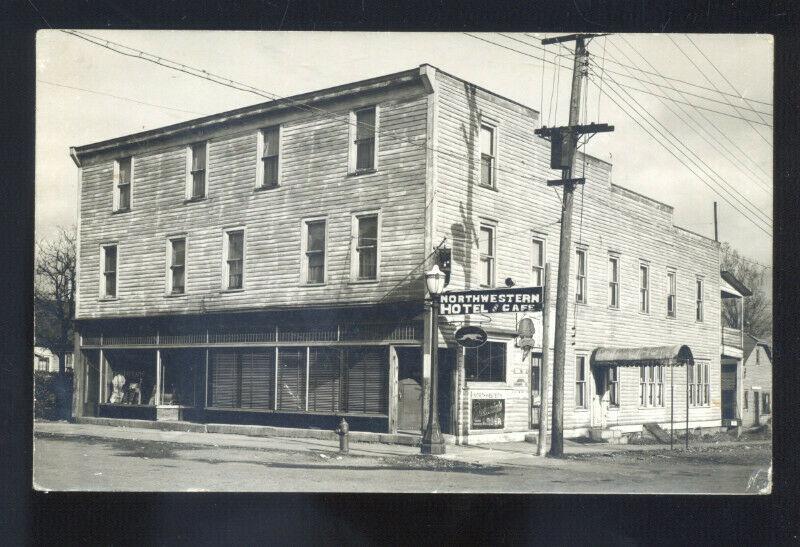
column 732, row 337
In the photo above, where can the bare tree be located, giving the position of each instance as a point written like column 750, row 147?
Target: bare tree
column 54, row 293
column 758, row 307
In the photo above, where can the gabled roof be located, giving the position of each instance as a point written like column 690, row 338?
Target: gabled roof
column 758, row 342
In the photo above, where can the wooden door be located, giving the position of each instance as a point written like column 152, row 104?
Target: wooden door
column 757, row 408
column 409, row 389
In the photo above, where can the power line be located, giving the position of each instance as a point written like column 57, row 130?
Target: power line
column 732, row 157
column 119, row 97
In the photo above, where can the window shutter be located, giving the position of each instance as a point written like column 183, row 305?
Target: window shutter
column 324, row 383
column 291, row 379
column 258, row 379
column 367, row 380
column 224, row 379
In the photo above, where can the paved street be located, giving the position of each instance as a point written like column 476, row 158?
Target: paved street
column 92, row 457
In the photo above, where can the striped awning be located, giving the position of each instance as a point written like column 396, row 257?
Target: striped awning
column 657, row 355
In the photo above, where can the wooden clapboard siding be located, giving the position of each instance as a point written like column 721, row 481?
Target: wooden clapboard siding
column 607, row 218
column 314, row 182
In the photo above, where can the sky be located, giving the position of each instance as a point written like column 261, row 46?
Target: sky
column 86, row 93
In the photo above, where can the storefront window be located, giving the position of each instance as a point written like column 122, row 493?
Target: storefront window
column 129, row 378
column 486, row 363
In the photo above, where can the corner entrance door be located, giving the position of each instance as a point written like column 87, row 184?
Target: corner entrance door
column 409, row 389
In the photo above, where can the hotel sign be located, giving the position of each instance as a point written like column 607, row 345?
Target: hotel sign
column 521, row 299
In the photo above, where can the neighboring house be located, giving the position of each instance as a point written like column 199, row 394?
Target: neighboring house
column 264, row 266
column 756, row 382
column 732, row 293
column 45, row 360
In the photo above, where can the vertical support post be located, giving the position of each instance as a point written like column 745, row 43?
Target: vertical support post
column 78, row 377
column 716, row 231
column 687, row 405
column 671, row 405
column 205, row 405
column 541, row 448
column 275, row 394
column 158, row 377
column 308, row 370
column 432, row 440
column 101, row 375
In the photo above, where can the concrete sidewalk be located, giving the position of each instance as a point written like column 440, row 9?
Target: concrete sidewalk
column 515, row 454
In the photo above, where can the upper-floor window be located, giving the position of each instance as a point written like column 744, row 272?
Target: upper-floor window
column 537, row 262
column 486, row 363
column 671, row 293
column 365, row 259
column 487, row 155
column 197, row 175
column 314, row 251
column 268, row 157
column 580, row 277
column 699, row 303
column 108, row 280
column 363, row 150
column 644, row 288
column 176, row 275
column 486, row 249
column 580, row 381
column 613, row 282
column 234, row 259
column 699, row 386
column 123, row 174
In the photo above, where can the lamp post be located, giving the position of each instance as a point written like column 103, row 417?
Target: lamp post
column 432, row 440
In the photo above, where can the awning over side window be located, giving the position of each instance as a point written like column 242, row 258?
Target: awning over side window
column 658, row 355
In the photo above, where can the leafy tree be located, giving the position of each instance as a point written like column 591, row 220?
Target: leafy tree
column 758, row 307
column 54, row 293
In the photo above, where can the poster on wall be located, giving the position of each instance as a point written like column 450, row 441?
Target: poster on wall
column 488, row 413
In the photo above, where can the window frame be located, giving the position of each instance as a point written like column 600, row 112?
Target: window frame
column 672, row 291
column 115, row 207
column 492, row 127
column 304, row 250
column 225, row 266
column 580, row 385
column 490, row 340
column 613, row 281
column 645, row 286
column 492, row 258
column 189, row 186
column 259, row 182
column 354, row 246
column 700, row 384
column 538, row 270
column 766, row 403
column 613, row 386
column 352, row 160
column 746, row 402
column 103, row 288
column 651, row 386
column 582, row 280
column 699, row 294
column 170, row 289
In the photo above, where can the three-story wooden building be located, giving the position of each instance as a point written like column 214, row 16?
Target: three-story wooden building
column 265, row 266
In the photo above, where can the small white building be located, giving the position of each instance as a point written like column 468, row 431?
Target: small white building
column 45, row 360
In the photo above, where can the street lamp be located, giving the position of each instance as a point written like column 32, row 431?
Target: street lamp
column 432, row 440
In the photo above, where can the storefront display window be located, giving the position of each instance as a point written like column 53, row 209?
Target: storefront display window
column 486, row 363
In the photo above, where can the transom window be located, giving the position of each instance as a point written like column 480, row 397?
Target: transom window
column 177, row 265
column 123, row 171
column 198, row 176
column 486, row 363
column 580, row 277
column 537, row 266
column 613, row 282
column 365, row 139
column 234, row 259
column 314, row 253
column 487, row 155
column 486, row 248
column 109, row 279
column 269, row 157
column 366, row 247
column 580, row 381
column 644, row 288
column 671, row 294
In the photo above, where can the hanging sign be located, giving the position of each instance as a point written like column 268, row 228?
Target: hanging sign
column 470, row 336
column 510, row 300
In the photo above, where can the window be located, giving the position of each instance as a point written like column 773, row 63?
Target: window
column 108, row 282
column 651, row 385
column 612, row 381
column 580, row 288
column 234, row 259
column 486, row 248
column 176, row 276
column 537, row 263
column 699, row 388
column 536, row 373
column 486, row 363
column 699, row 309
column 314, row 251
column 364, row 149
column 197, row 176
column 671, row 294
column 268, row 172
column 580, row 381
column 766, row 407
column 644, row 288
column 42, row 364
column 746, row 400
column 69, row 361
column 365, row 260
column 487, row 155
column 123, row 174
column 758, row 356
column 613, row 282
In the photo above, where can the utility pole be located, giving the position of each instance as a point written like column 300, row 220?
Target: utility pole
column 564, row 141
column 716, row 231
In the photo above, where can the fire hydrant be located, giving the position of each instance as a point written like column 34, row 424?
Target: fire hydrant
column 344, row 437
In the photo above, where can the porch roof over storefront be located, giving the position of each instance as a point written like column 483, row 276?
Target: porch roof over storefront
column 656, row 355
